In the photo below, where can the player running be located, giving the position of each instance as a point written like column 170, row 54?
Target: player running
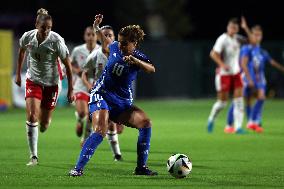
column 81, row 93
column 94, row 67
column 111, row 97
column 253, row 61
column 44, row 47
column 225, row 54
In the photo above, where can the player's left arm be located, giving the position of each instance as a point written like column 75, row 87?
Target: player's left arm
column 277, row 65
column 245, row 27
column 145, row 66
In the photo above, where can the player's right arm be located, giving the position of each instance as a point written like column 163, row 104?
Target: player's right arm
column 104, row 40
column 244, row 64
column 215, row 53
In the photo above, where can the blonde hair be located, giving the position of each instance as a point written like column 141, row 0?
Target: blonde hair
column 42, row 15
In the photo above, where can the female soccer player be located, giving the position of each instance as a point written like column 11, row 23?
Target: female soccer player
column 81, row 93
column 253, row 61
column 94, row 67
column 111, row 97
column 44, row 47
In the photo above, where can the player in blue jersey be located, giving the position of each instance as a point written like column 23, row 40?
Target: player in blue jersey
column 111, row 97
column 253, row 59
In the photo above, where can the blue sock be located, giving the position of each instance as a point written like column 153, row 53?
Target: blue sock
column 88, row 149
column 257, row 109
column 248, row 111
column 143, row 146
column 230, row 116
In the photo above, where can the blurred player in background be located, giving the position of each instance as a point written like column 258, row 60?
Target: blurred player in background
column 253, row 61
column 44, row 47
column 94, row 67
column 79, row 56
column 225, row 54
column 111, row 97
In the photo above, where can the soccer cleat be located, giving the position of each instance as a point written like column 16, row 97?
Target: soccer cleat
column 75, row 172
column 229, row 129
column 251, row 126
column 210, row 126
column 144, row 171
column 33, row 161
column 118, row 157
column 79, row 129
column 240, row 131
column 258, row 129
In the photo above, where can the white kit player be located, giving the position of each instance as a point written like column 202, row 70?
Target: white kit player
column 94, row 67
column 81, row 92
column 225, row 54
column 44, row 48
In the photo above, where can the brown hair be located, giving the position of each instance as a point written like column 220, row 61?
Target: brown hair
column 234, row 20
column 42, row 15
column 132, row 33
column 257, row 28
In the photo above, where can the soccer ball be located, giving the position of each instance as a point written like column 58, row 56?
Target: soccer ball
column 179, row 165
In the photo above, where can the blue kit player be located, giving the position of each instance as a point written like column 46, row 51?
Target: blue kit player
column 111, row 97
column 253, row 59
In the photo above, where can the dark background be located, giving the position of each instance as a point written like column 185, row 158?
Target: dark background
column 181, row 53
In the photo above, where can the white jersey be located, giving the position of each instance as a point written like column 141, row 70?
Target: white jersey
column 96, row 63
column 229, row 49
column 79, row 55
column 42, row 58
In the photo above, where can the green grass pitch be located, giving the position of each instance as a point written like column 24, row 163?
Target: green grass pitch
column 219, row 160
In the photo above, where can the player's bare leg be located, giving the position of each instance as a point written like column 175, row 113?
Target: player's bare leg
column 112, row 136
column 238, row 102
column 32, row 113
column 45, row 118
column 81, row 116
column 220, row 104
column 137, row 118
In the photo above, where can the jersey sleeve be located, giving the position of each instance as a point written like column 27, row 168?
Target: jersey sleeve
column 245, row 50
column 62, row 49
column 142, row 57
column 219, row 45
column 113, row 46
column 90, row 61
column 24, row 41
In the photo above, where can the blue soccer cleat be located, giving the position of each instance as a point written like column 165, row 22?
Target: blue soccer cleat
column 210, row 126
column 75, row 172
column 144, row 171
column 241, row 131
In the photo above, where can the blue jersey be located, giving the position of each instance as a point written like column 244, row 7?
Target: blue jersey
column 118, row 75
column 257, row 58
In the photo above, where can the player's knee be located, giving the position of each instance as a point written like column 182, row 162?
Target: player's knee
column 119, row 128
column 32, row 117
column 81, row 114
column 145, row 123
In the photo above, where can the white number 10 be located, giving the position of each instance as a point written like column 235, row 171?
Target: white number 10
column 118, row 69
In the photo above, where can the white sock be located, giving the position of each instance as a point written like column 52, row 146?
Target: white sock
column 32, row 136
column 112, row 137
column 238, row 112
column 217, row 107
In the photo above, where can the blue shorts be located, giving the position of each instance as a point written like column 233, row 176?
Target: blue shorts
column 257, row 86
column 108, row 101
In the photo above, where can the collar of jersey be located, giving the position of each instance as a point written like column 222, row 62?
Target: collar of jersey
column 35, row 41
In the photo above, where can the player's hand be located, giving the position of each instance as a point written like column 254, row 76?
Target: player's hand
column 130, row 59
column 226, row 67
column 18, row 80
column 251, row 84
column 244, row 23
column 70, row 95
column 98, row 20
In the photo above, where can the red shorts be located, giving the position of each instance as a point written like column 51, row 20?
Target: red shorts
column 82, row 96
column 225, row 83
column 47, row 94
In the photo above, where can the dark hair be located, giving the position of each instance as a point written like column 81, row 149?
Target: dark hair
column 106, row 27
column 132, row 33
column 256, row 27
column 42, row 15
column 233, row 20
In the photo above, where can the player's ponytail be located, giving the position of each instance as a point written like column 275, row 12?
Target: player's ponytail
column 132, row 33
column 42, row 15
